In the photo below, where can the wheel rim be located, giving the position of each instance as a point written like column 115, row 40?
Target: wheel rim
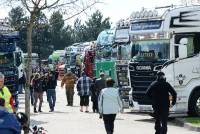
column 198, row 105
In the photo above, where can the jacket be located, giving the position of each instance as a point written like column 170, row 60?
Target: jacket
column 49, row 83
column 69, row 80
column 6, row 95
column 100, row 84
column 84, row 85
column 159, row 92
column 9, row 123
column 109, row 101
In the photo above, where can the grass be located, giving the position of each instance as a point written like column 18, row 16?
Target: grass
column 193, row 120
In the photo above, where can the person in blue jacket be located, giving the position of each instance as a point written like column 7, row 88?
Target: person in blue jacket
column 8, row 121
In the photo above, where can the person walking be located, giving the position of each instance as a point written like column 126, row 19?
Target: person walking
column 100, row 83
column 83, row 88
column 159, row 91
column 6, row 95
column 50, row 84
column 38, row 92
column 109, row 105
column 94, row 96
column 22, row 82
column 69, row 80
column 31, row 89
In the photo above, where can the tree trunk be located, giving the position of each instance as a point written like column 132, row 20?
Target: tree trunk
column 28, row 70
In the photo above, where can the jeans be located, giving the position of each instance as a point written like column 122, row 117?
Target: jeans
column 109, row 122
column 51, row 98
column 20, row 88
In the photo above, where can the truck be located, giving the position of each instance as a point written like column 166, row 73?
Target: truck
column 104, row 60
column 72, row 56
column 123, row 46
column 178, row 30
column 10, row 58
column 183, row 69
column 150, row 40
column 34, row 61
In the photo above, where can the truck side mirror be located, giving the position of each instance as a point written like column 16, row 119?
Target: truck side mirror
column 182, row 48
column 183, row 41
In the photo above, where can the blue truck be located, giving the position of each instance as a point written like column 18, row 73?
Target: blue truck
column 10, row 59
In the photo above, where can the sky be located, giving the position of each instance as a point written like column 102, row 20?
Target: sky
column 117, row 9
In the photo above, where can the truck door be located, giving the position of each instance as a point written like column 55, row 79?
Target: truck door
column 186, row 68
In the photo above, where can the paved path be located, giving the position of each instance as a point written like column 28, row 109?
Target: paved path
column 69, row 120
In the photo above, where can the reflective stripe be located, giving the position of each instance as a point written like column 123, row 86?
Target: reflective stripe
column 6, row 96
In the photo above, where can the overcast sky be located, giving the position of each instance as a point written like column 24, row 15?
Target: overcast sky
column 119, row 9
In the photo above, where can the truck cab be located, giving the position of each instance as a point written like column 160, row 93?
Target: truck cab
column 183, row 70
column 150, row 42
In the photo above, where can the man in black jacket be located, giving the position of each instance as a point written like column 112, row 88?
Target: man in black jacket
column 51, row 83
column 159, row 91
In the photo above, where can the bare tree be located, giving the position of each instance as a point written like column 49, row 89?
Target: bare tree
column 69, row 8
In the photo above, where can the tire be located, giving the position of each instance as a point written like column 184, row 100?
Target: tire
column 194, row 104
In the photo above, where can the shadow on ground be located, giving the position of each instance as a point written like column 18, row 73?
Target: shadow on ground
column 35, row 122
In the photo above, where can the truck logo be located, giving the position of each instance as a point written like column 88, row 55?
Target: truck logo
column 184, row 18
column 147, row 68
column 180, row 78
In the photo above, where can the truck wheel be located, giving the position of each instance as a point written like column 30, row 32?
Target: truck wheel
column 194, row 105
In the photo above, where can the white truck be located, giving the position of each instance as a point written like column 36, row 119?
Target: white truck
column 180, row 47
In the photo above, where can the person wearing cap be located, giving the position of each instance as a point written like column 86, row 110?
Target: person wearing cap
column 83, row 87
column 69, row 80
column 159, row 91
column 6, row 95
column 99, row 84
column 109, row 105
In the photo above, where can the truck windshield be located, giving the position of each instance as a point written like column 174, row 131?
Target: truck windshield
column 6, row 59
column 151, row 50
column 124, row 52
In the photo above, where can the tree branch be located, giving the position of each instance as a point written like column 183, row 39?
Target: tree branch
column 81, row 11
column 53, row 4
column 25, row 5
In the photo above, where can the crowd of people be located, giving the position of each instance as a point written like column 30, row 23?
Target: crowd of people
column 105, row 97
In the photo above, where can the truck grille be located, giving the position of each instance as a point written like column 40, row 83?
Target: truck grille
column 141, row 77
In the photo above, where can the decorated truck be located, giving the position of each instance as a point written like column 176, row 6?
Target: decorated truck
column 150, row 41
column 10, row 58
column 123, row 46
column 104, row 60
column 173, row 39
